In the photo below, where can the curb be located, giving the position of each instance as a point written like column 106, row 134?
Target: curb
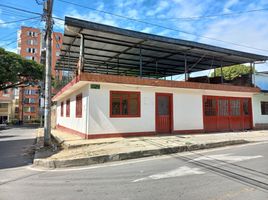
column 39, row 162
column 63, row 144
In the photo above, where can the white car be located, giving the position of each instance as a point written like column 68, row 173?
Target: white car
column 3, row 125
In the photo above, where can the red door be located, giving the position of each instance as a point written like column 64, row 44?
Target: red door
column 226, row 113
column 235, row 114
column 246, row 111
column 223, row 114
column 163, row 108
column 210, row 113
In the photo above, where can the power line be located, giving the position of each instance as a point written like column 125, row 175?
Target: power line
column 17, row 40
column 21, row 20
column 11, row 35
column 210, row 16
column 12, row 13
column 8, row 36
column 164, row 27
column 21, row 38
column 39, row 2
column 139, row 21
column 19, row 9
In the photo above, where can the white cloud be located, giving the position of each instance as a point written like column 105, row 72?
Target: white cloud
column 11, row 48
column 164, row 32
column 228, row 5
column 250, row 30
column 244, row 30
column 58, row 24
column 147, row 30
column 184, row 8
column 160, row 6
column 4, row 25
column 132, row 13
column 95, row 17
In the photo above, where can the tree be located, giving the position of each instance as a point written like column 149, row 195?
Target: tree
column 229, row 73
column 16, row 70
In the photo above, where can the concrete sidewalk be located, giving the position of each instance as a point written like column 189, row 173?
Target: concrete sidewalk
column 79, row 152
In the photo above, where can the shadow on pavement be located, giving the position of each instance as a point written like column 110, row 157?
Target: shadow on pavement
column 7, row 136
column 16, row 153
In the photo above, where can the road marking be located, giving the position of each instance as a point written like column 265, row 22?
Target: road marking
column 181, row 171
column 226, row 157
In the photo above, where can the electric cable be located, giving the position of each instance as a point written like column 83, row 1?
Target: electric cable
column 164, row 27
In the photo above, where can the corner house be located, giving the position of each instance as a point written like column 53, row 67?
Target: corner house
column 121, row 87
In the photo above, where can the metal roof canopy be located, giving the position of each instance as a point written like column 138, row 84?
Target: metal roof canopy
column 112, row 50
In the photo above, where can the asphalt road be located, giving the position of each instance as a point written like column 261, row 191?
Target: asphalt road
column 237, row 172
column 16, row 144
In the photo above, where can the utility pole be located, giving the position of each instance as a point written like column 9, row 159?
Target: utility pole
column 22, row 104
column 48, row 5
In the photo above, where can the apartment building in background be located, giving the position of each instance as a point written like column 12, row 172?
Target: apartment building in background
column 9, row 105
column 30, row 46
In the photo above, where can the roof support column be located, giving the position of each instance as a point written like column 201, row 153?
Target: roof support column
column 250, row 74
column 186, row 70
column 81, row 55
column 156, row 70
column 211, row 67
column 221, row 73
column 253, row 78
column 140, row 62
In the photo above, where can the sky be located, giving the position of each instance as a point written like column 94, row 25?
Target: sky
column 249, row 30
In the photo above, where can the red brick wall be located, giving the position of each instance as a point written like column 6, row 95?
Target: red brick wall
column 23, row 39
column 23, row 52
column 162, row 83
column 35, row 114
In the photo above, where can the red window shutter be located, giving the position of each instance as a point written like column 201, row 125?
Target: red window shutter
column 79, row 106
column 68, row 108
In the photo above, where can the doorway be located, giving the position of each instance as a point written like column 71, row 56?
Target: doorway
column 164, row 112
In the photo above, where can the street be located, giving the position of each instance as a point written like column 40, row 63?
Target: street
column 15, row 146
column 234, row 172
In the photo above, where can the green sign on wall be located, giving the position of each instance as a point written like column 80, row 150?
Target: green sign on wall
column 95, row 86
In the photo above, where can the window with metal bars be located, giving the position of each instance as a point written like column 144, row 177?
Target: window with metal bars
column 235, row 107
column 223, row 107
column 264, row 107
column 210, row 107
column 124, row 104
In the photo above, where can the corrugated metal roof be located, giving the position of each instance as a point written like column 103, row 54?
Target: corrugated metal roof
column 113, row 50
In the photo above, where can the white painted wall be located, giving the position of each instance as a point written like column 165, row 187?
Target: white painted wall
column 187, row 109
column 78, row 124
column 99, row 111
column 188, row 112
column 256, row 105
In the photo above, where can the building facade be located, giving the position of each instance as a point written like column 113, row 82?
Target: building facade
column 100, row 106
column 9, row 105
column 30, row 45
column 124, row 85
column 260, row 101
